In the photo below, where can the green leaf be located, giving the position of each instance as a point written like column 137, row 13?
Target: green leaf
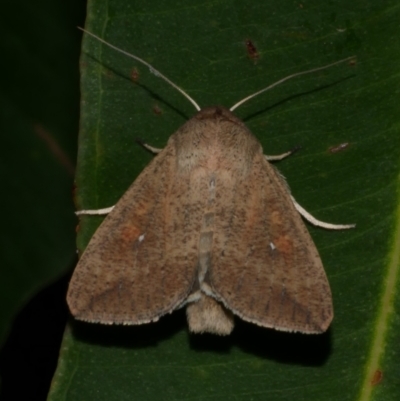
column 201, row 47
column 39, row 124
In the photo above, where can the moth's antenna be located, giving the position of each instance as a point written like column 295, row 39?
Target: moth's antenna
column 287, row 78
column 151, row 68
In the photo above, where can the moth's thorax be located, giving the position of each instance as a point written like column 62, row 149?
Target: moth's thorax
column 212, row 139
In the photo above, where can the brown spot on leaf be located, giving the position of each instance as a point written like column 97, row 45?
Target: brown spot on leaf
column 252, row 50
column 134, row 75
column 157, row 110
column 377, row 377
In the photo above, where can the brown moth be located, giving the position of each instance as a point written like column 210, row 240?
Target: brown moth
column 209, row 224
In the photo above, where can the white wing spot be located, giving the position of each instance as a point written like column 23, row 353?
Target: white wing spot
column 272, row 245
column 141, row 238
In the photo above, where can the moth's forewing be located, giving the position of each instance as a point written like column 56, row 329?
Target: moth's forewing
column 265, row 266
column 140, row 264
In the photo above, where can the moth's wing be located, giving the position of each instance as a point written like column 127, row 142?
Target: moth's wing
column 141, row 262
column 265, row 267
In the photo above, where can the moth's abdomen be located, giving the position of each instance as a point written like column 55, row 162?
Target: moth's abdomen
column 206, row 314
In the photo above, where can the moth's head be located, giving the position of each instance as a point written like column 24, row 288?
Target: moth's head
column 217, row 114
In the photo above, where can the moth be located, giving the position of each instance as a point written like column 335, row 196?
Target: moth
column 211, row 225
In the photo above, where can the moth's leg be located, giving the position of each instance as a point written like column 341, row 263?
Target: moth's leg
column 106, row 210
column 319, row 223
column 282, row 156
column 148, row 147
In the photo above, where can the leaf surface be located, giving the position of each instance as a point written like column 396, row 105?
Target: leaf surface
column 201, row 47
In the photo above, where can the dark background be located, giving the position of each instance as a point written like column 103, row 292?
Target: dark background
column 39, row 120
